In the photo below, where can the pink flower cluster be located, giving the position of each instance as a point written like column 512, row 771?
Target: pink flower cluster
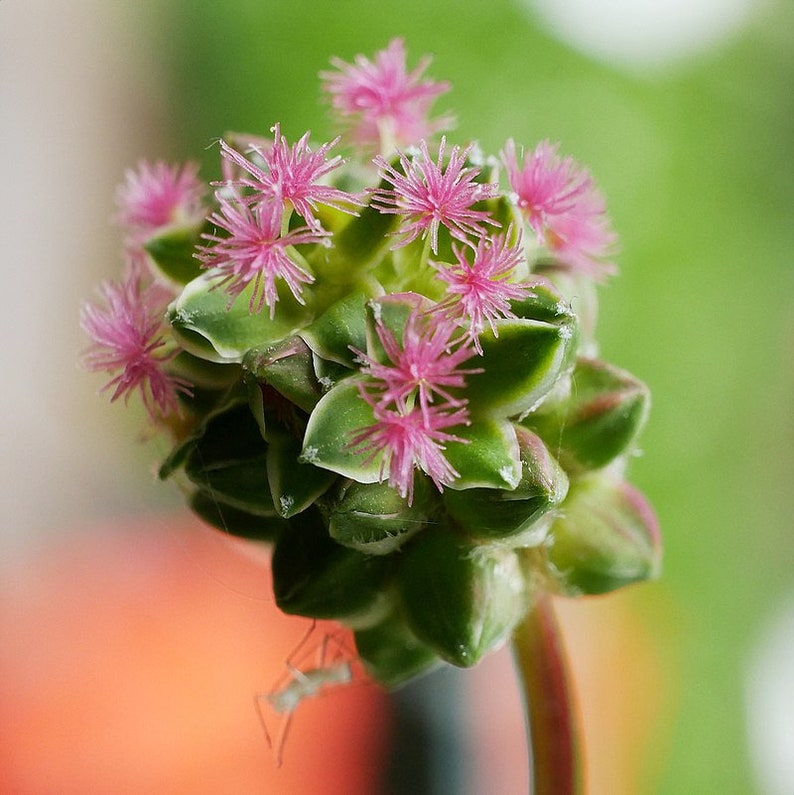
column 409, row 427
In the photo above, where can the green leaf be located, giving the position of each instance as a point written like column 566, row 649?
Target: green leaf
column 605, row 537
column 461, row 600
column 335, row 421
column 206, row 325
column 494, row 514
column 392, row 312
column 172, row 252
column 313, row 576
column 518, row 367
column 489, row 458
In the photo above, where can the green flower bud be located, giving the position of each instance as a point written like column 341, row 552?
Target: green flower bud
column 513, row 515
column 374, row 518
column 460, row 599
column 605, row 537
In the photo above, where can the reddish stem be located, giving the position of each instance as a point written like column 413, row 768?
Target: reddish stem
column 555, row 762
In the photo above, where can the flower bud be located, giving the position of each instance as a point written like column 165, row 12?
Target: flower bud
column 605, row 537
column 461, row 600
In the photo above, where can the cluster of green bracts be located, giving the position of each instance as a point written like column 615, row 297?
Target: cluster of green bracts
column 264, row 451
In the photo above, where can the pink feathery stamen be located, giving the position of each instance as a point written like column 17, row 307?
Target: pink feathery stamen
column 480, row 292
column 292, row 175
column 372, row 96
column 428, row 195
column 158, row 194
column 410, row 440
column 128, row 340
column 426, row 364
column 563, row 206
column 254, row 250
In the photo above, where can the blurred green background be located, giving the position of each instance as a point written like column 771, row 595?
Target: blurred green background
column 696, row 158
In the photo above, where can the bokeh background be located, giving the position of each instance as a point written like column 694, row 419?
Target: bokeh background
column 685, row 114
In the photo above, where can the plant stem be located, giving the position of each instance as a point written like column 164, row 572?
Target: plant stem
column 555, row 762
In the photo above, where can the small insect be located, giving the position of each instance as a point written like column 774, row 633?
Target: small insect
column 333, row 666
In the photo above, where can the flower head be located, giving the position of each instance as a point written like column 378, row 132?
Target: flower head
column 255, row 250
column 427, row 363
column 428, row 195
column 158, row 194
column 380, row 101
column 480, row 292
column 563, row 207
column 409, row 440
column 127, row 339
column 292, row 176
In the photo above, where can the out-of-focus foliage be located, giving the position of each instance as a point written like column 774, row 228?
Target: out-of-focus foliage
column 698, row 165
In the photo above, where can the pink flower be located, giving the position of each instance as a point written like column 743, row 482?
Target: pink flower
column 127, row 339
column 563, row 207
column 292, row 176
column 429, row 196
column 380, row 101
column 157, row 195
column 410, row 440
column 256, row 251
column 480, row 292
column 425, row 365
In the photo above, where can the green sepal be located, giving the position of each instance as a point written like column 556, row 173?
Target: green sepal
column 333, row 424
column 374, row 518
column 518, row 367
column 294, row 486
column 287, row 366
column 605, row 537
column 241, row 484
column 340, row 326
column 460, row 599
column 494, row 514
column 488, row 456
column 391, row 653
column 605, row 411
column 172, row 250
column 313, row 576
column 222, row 516
column 205, row 324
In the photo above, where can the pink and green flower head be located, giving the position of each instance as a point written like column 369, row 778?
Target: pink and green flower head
column 428, row 195
column 292, row 176
column 380, row 102
column 128, row 341
column 563, row 206
column 479, row 292
column 255, row 250
column 156, row 195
